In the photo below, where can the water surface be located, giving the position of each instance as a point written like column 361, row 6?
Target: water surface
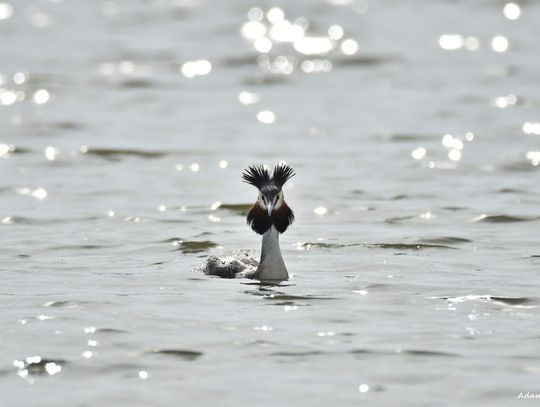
column 413, row 129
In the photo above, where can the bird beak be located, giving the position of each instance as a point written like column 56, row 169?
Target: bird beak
column 270, row 208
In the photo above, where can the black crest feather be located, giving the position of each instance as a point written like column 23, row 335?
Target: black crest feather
column 256, row 175
column 282, row 173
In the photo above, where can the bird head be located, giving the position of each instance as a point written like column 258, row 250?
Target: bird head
column 270, row 208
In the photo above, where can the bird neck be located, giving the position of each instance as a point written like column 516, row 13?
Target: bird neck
column 271, row 266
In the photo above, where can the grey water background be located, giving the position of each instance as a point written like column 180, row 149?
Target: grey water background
column 415, row 253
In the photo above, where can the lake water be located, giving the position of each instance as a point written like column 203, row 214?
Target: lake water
column 415, row 260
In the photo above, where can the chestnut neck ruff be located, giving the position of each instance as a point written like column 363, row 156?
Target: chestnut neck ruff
column 260, row 222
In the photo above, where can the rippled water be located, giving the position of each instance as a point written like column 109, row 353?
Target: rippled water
column 414, row 130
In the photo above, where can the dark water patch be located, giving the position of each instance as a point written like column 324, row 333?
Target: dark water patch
column 521, row 166
column 172, row 220
column 398, row 197
column 299, row 353
column 289, row 304
column 62, row 304
column 54, row 125
column 403, row 137
column 117, row 153
column 260, row 80
column 365, row 60
column 239, row 209
column 398, row 219
column 36, row 365
column 191, row 246
column 24, row 220
column 290, row 297
column 512, row 301
column 503, row 218
column 66, row 125
column 534, row 256
column 455, row 208
column 364, row 351
column 137, row 83
column 444, row 240
column 73, row 304
column 78, row 247
column 240, row 60
column 510, row 191
column 110, row 331
column 20, row 150
column 183, row 354
column 430, row 353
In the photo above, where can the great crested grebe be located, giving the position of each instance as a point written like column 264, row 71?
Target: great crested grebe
column 269, row 217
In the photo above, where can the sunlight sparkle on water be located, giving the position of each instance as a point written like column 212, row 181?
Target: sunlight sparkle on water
column 504, row 101
column 51, row 153
column 5, row 149
column 143, row 374
column 263, row 44
column 314, row 45
column 266, row 117
column 320, row 210
column 39, row 193
column 253, row 30
column 363, row 388
column 335, row 32
column 528, row 128
column 533, row 157
column 200, row 67
column 454, row 155
column 52, row 368
column 451, row 42
column 284, row 31
column 349, row 47
column 316, row 65
column 7, row 97
column 19, row 78
column 6, row 11
column 41, row 96
column 223, row 164
column 247, row 98
column 452, row 142
column 418, row 153
column 255, row 14
column 512, row 11
column 499, row 43
column 195, row 167
column 275, row 15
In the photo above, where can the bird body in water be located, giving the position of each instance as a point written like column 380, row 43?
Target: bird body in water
column 269, row 216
